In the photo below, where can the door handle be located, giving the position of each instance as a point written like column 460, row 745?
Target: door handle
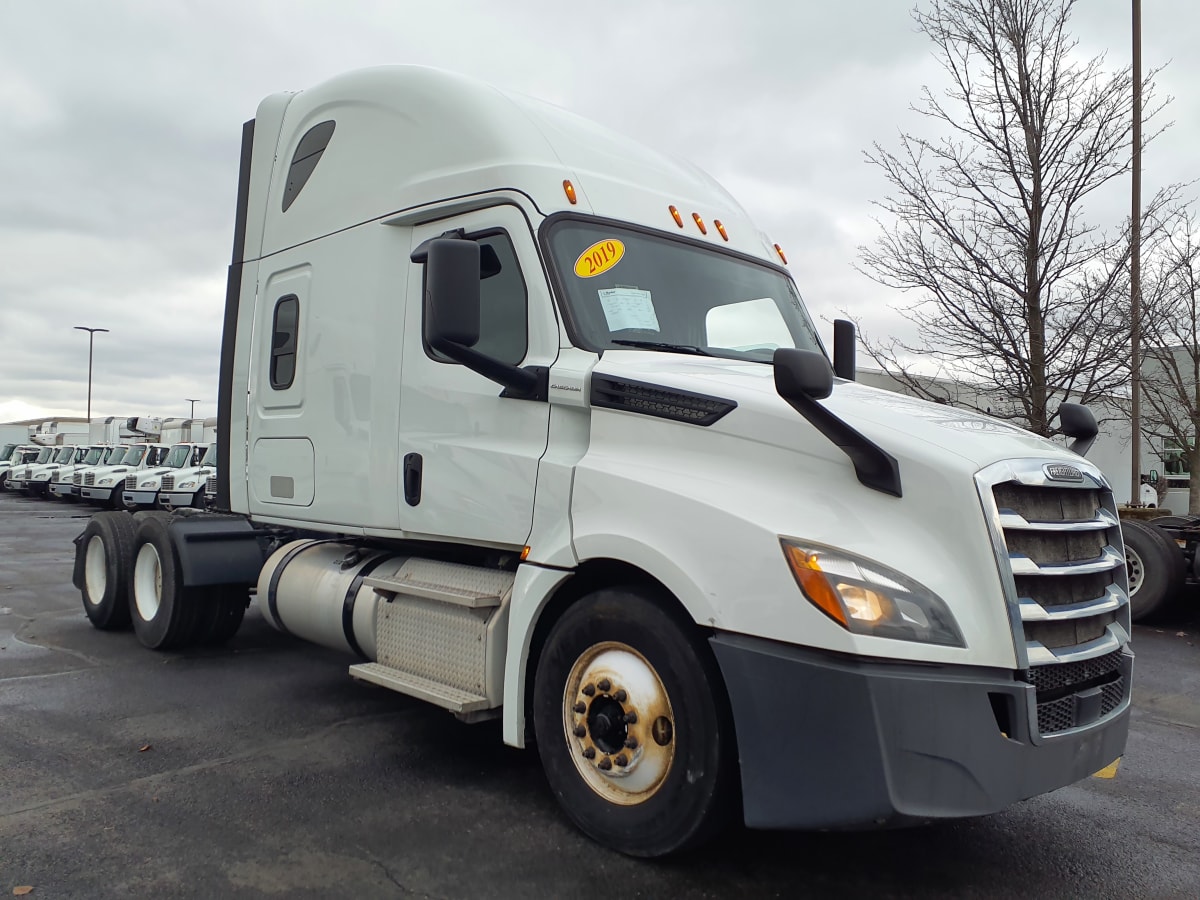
column 412, row 479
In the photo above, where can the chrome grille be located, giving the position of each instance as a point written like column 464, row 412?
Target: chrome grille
column 168, row 482
column 1063, row 565
column 131, row 482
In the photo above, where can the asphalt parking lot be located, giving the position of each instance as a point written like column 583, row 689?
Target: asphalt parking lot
column 261, row 769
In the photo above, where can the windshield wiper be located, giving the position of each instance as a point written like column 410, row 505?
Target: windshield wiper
column 659, row 345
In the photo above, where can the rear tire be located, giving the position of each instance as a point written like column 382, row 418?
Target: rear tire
column 164, row 612
column 1155, row 566
column 662, row 781
column 108, row 542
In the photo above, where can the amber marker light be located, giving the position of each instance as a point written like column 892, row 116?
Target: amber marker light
column 700, row 223
column 779, row 250
column 569, row 190
column 807, row 569
column 721, row 229
column 676, row 216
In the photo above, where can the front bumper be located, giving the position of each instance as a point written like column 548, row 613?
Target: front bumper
column 831, row 741
column 96, row 492
column 178, row 499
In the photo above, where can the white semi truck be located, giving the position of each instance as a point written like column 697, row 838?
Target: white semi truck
column 532, row 421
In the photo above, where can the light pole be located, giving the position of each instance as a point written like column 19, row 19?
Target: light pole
column 91, row 338
column 192, row 414
column 1135, row 265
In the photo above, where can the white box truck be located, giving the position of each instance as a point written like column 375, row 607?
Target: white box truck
column 532, row 420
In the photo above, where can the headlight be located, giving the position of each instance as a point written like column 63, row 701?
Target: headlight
column 867, row 597
column 147, row 484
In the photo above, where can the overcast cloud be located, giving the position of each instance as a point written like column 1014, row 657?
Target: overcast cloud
column 122, row 121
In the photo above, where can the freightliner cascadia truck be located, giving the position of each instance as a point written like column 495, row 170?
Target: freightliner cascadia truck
column 532, row 422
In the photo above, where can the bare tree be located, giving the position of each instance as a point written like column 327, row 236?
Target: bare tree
column 1171, row 338
column 1018, row 295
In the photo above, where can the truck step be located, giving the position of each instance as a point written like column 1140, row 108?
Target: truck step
column 466, row 586
column 442, row 695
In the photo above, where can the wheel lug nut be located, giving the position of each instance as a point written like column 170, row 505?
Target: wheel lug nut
column 580, row 707
column 589, row 690
column 622, row 761
column 631, row 743
column 589, row 752
column 630, row 718
column 580, row 731
column 605, row 764
column 620, row 696
column 604, row 684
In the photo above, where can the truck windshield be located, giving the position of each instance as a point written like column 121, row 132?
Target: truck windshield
column 93, row 456
column 178, row 457
column 632, row 289
column 210, row 456
column 134, row 456
column 64, row 455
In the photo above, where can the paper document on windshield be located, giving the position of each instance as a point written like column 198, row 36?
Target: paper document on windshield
column 628, row 307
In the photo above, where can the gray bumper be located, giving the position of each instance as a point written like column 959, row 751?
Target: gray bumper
column 830, row 741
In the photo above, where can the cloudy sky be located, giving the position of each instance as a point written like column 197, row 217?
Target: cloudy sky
column 121, row 123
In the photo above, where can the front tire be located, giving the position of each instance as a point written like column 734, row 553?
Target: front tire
column 108, row 554
column 1155, row 567
column 632, row 724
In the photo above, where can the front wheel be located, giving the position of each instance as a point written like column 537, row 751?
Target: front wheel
column 632, row 724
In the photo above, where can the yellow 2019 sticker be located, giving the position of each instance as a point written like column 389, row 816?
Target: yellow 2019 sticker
column 598, row 258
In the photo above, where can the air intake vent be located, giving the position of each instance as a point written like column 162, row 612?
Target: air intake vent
column 655, row 400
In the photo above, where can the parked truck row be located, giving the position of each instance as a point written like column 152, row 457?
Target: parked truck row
column 123, row 465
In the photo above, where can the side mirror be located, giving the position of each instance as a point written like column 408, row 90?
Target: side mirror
column 1078, row 422
column 452, row 294
column 844, row 364
column 802, row 373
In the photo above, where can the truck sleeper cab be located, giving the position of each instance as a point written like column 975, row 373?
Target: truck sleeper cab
column 575, row 457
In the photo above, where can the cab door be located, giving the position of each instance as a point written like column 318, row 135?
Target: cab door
column 469, row 457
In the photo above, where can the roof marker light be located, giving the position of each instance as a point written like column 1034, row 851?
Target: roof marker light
column 569, row 190
column 700, row 223
column 675, row 214
column 779, row 250
column 721, row 229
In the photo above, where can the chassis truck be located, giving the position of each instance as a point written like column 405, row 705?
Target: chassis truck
column 531, row 422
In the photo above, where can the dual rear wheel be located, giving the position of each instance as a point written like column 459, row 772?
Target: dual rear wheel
column 131, row 575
